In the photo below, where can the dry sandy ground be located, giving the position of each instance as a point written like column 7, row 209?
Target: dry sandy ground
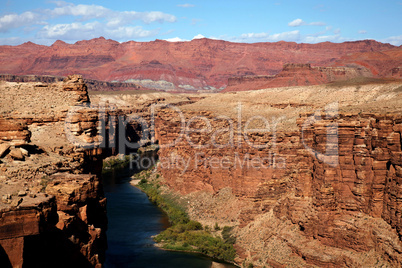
column 283, row 104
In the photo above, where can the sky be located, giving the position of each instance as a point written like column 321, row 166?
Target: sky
column 308, row 21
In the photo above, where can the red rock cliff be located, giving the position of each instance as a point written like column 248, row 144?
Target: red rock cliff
column 326, row 195
column 297, row 75
column 199, row 64
column 51, row 214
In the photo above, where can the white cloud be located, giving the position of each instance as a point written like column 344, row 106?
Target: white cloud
column 79, row 31
column 12, row 21
column 198, row 36
column 75, row 30
column 87, row 12
column 296, row 23
column 317, row 23
column 114, row 19
column 323, row 38
column 393, row 40
column 130, row 32
column 290, row 36
column 362, row 32
column 300, row 22
column 266, row 37
column 176, row 39
column 254, row 35
column 186, row 5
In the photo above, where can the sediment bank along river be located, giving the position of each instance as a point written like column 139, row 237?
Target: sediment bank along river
column 132, row 221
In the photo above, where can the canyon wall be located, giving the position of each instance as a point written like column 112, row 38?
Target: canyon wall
column 201, row 64
column 52, row 213
column 326, row 194
column 300, row 188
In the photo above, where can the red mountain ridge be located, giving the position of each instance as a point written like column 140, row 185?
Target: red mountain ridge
column 198, row 64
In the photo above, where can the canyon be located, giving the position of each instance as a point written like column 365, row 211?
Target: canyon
column 308, row 176
column 201, row 64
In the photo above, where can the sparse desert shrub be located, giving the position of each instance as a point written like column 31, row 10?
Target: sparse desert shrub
column 227, row 236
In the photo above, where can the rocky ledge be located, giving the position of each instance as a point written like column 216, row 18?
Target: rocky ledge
column 52, row 214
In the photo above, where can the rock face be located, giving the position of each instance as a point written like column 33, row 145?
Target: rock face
column 196, row 65
column 380, row 63
column 14, row 132
column 17, row 225
column 52, row 143
column 81, row 207
column 93, row 85
column 296, row 75
column 325, row 194
column 51, row 213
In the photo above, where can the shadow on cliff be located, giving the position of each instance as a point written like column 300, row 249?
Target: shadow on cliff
column 53, row 249
column 4, row 260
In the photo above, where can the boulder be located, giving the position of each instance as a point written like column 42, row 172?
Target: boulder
column 17, row 154
column 24, row 151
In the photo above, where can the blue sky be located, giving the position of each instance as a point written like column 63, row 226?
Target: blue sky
column 308, row 21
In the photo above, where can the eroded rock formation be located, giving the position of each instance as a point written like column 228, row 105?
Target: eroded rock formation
column 51, row 214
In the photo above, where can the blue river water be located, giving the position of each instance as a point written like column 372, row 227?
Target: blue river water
column 132, row 221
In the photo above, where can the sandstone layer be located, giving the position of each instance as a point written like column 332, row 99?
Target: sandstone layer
column 202, row 64
column 316, row 184
column 52, row 213
column 308, row 176
column 323, row 192
column 296, row 75
column 93, row 85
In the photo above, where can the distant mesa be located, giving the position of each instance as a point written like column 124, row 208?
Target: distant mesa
column 297, row 74
column 202, row 65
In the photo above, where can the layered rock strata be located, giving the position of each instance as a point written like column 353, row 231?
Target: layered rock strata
column 51, row 214
column 297, row 75
column 93, row 85
column 201, row 64
column 323, row 195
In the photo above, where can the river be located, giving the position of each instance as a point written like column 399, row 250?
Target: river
column 132, row 221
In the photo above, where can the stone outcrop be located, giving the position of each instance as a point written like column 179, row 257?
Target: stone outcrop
column 32, row 217
column 81, row 210
column 196, row 65
column 52, row 214
column 92, row 85
column 14, row 132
